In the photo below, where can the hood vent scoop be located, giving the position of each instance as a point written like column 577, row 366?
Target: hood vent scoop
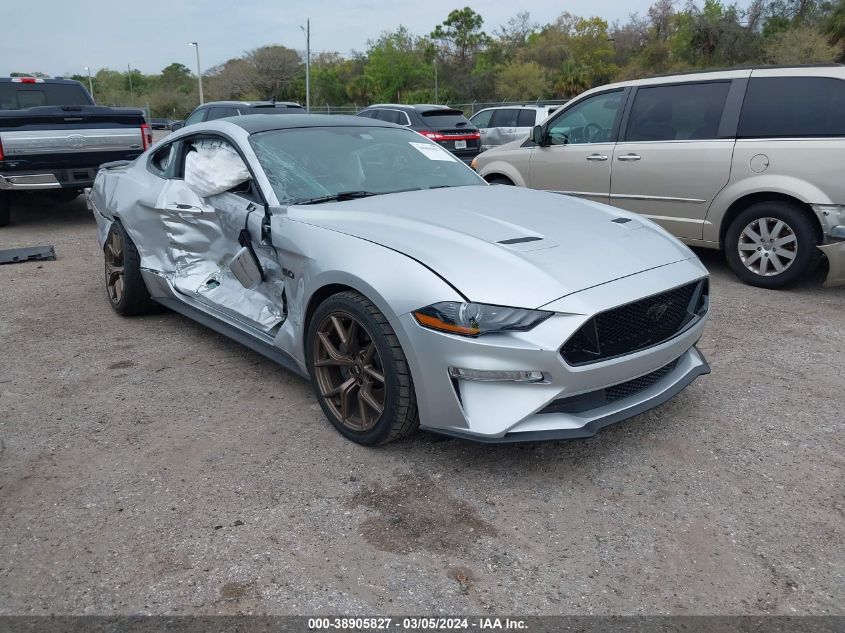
column 527, row 244
column 629, row 223
column 519, row 240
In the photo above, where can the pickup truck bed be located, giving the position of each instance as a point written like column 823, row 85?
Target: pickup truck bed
column 60, row 147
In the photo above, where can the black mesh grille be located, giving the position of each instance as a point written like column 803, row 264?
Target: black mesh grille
column 601, row 397
column 636, row 325
column 617, row 392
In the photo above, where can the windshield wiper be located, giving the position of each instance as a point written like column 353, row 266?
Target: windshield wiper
column 338, row 197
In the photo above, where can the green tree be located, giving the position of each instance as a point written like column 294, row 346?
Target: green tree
column 518, row 81
column 460, row 34
column 396, row 63
column 177, row 77
column 276, row 68
column 800, row 45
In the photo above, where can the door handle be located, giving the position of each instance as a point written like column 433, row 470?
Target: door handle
column 629, row 157
column 597, row 157
column 185, row 209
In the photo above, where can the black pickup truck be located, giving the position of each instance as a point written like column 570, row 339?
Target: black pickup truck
column 54, row 138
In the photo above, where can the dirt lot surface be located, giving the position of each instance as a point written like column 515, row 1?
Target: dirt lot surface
column 149, row 465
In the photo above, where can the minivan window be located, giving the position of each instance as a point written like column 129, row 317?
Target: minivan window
column 482, row 119
column 793, row 107
column 677, row 112
column 589, row 121
column 526, row 118
column 504, row 118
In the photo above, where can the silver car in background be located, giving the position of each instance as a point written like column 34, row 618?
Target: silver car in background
column 369, row 259
column 503, row 124
column 747, row 160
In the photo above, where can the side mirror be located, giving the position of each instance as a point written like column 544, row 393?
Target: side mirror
column 176, row 125
column 538, row 135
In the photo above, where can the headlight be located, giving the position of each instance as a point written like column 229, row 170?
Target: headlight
column 473, row 319
column 474, row 163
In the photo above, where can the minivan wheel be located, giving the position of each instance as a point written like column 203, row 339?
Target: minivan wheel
column 5, row 208
column 125, row 287
column 771, row 244
column 359, row 371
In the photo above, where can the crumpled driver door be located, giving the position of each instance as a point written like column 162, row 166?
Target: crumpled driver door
column 205, row 236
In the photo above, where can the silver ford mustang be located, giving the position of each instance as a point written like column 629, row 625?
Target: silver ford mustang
column 412, row 293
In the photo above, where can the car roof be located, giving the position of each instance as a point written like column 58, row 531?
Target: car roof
column 264, row 122
column 527, row 106
column 417, row 107
column 285, row 104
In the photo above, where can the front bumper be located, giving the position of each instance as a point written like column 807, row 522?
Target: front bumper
column 524, row 411
column 560, row 426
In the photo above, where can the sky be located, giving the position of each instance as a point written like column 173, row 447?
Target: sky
column 58, row 37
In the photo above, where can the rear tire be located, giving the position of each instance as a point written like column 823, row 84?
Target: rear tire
column 125, row 287
column 5, row 208
column 772, row 244
column 359, row 372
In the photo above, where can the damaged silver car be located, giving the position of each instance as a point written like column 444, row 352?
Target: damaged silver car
column 413, row 294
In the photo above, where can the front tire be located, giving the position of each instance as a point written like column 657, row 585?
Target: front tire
column 359, row 372
column 125, row 286
column 772, row 244
column 5, row 208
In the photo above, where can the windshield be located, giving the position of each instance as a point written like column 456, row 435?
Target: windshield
column 306, row 163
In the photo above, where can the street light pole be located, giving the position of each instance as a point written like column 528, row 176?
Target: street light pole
column 90, row 83
column 307, row 30
column 131, row 90
column 199, row 71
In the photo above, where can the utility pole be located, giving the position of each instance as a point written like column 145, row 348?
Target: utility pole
column 436, row 99
column 307, row 30
column 90, row 83
column 131, row 91
column 199, row 70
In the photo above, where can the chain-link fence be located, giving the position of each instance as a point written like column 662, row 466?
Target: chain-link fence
column 468, row 108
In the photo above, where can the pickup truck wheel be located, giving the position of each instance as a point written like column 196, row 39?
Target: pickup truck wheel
column 127, row 292
column 772, row 244
column 359, row 371
column 5, row 208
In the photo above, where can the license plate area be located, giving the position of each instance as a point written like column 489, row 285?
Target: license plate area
column 460, row 144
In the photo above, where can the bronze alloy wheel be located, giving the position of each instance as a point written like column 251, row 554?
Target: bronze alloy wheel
column 114, row 267
column 349, row 372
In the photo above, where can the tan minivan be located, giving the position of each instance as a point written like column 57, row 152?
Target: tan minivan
column 751, row 161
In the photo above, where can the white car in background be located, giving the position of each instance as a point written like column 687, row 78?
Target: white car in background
column 504, row 124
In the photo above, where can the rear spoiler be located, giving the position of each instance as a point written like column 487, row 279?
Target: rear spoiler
column 115, row 164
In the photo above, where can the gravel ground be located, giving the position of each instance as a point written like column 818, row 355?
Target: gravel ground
column 149, row 465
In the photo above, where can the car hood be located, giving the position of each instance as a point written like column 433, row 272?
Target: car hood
column 505, row 245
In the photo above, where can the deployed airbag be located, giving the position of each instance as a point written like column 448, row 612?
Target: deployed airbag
column 214, row 167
